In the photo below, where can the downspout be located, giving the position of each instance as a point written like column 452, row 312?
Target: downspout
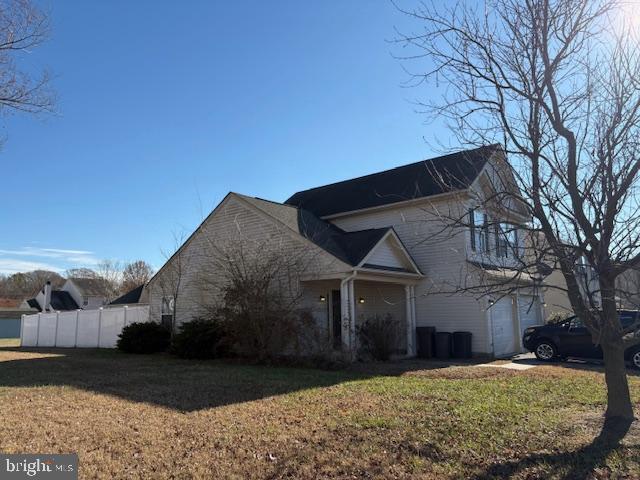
column 345, row 283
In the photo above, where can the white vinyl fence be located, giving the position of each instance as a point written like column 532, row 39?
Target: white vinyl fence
column 80, row 328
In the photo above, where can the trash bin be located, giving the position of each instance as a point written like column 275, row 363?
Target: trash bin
column 443, row 345
column 424, row 336
column 462, row 344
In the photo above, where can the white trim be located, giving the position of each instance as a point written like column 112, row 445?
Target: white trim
column 401, row 203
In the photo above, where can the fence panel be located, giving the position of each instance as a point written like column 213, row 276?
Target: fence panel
column 82, row 328
column 47, row 330
column 66, row 336
column 111, row 325
column 29, row 335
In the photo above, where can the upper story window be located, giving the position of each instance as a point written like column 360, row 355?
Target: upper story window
column 85, row 301
column 506, row 240
column 479, row 225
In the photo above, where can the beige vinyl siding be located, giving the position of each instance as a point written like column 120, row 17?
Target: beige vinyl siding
column 442, row 259
column 233, row 222
column 386, row 254
column 382, row 299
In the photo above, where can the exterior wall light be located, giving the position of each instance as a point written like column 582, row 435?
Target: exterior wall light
column 491, row 302
column 361, row 300
column 323, row 298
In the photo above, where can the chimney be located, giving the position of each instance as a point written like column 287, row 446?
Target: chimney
column 47, row 296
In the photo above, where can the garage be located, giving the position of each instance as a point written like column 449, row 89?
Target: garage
column 503, row 327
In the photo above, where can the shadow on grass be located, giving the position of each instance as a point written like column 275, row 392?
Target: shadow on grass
column 183, row 385
column 578, row 464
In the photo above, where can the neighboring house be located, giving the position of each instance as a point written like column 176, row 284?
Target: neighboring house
column 557, row 300
column 132, row 297
column 76, row 293
column 377, row 247
column 88, row 293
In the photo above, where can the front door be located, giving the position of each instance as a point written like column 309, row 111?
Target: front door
column 336, row 316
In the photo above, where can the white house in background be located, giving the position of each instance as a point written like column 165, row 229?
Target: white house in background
column 76, row 293
column 378, row 247
column 88, row 293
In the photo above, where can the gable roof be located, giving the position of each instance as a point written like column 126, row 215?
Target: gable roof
column 132, row 296
column 350, row 247
column 447, row 173
column 94, row 287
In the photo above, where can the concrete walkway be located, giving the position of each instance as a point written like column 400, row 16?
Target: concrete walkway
column 524, row 361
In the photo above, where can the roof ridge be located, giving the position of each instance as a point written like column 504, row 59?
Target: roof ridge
column 407, row 165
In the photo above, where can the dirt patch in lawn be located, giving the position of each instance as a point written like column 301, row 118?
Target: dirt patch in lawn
column 158, row 417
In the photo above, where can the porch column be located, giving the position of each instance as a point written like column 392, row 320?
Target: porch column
column 410, row 319
column 348, row 307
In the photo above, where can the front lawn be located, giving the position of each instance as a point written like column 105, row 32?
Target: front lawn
column 159, row 417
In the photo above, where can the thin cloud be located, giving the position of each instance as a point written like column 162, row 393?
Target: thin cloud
column 9, row 266
column 37, row 258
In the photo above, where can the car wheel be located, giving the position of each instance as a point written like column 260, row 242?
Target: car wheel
column 545, row 351
column 635, row 359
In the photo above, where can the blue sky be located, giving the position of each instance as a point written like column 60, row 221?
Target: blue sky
column 164, row 107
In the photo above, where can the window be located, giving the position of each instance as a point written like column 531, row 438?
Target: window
column 506, row 240
column 479, row 226
column 576, row 323
column 168, row 305
column 85, row 301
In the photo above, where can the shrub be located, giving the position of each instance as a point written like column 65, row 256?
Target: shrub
column 148, row 337
column 379, row 336
column 200, row 338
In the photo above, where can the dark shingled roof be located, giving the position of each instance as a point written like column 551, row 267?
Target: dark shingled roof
column 350, row 247
column 60, row 300
column 94, row 287
column 447, row 173
column 132, row 296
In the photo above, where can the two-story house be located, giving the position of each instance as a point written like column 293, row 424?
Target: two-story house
column 388, row 243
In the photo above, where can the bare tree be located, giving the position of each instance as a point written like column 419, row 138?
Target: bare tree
column 171, row 281
column 23, row 27
column 557, row 84
column 135, row 274
column 81, row 272
column 110, row 272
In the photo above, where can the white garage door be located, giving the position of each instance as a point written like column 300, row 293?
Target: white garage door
column 503, row 327
column 529, row 311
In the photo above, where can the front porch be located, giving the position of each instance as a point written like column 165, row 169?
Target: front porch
column 340, row 305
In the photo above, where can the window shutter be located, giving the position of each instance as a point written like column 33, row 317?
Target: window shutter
column 472, row 229
column 485, row 232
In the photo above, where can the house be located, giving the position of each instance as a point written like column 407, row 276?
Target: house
column 376, row 246
column 76, row 293
column 132, row 297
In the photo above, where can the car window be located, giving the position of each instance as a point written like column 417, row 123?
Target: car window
column 628, row 319
column 576, row 323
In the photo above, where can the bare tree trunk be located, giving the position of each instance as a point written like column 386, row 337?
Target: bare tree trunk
column 615, row 374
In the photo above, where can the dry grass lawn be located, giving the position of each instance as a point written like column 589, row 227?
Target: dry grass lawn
column 159, row 417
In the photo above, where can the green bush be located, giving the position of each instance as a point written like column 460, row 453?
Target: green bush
column 146, row 337
column 379, row 337
column 200, row 338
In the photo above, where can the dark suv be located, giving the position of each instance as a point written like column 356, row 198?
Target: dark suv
column 570, row 338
